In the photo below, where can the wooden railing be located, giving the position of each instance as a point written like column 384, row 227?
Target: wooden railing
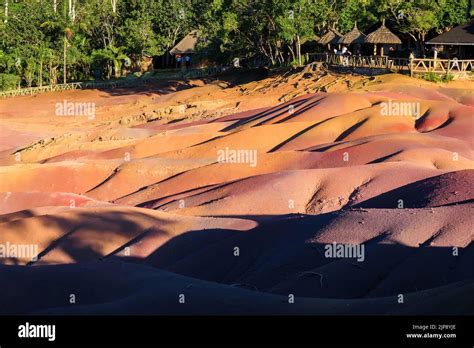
column 417, row 65
column 441, row 66
column 399, row 64
column 357, row 61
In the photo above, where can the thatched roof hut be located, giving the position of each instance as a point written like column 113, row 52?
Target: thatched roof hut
column 382, row 36
column 187, row 45
column 330, row 38
column 353, row 37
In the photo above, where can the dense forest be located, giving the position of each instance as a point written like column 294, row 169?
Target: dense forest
column 55, row 41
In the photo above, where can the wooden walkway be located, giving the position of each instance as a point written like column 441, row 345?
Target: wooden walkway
column 370, row 62
column 415, row 66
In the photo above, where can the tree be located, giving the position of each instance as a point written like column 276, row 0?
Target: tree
column 418, row 17
column 43, row 39
column 295, row 25
column 114, row 5
column 451, row 13
column 113, row 57
column 6, row 11
column 44, row 55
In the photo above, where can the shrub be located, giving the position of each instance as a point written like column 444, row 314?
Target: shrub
column 448, row 77
column 8, row 82
column 431, row 76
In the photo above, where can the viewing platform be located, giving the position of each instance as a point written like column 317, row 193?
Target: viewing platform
column 457, row 67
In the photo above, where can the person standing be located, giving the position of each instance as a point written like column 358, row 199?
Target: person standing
column 187, row 59
column 179, row 60
column 347, row 55
column 435, row 52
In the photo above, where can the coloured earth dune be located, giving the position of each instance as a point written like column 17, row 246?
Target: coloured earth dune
column 231, row 193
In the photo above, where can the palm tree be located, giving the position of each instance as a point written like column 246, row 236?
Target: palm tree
column 44, row 54
column 64, row 28
column 114, row 57
column 68, row 33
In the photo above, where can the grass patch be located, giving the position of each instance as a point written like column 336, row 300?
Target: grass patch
column 433, row 77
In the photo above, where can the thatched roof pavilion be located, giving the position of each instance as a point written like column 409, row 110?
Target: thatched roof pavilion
column 330, row 38
column 462, row 35
column 353, row 37
column 382, row 36
column 187, row 45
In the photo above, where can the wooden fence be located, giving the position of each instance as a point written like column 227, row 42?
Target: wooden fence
column 131, row 82
column 441, row 66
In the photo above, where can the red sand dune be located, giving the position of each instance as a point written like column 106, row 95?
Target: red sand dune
column 134, row 207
